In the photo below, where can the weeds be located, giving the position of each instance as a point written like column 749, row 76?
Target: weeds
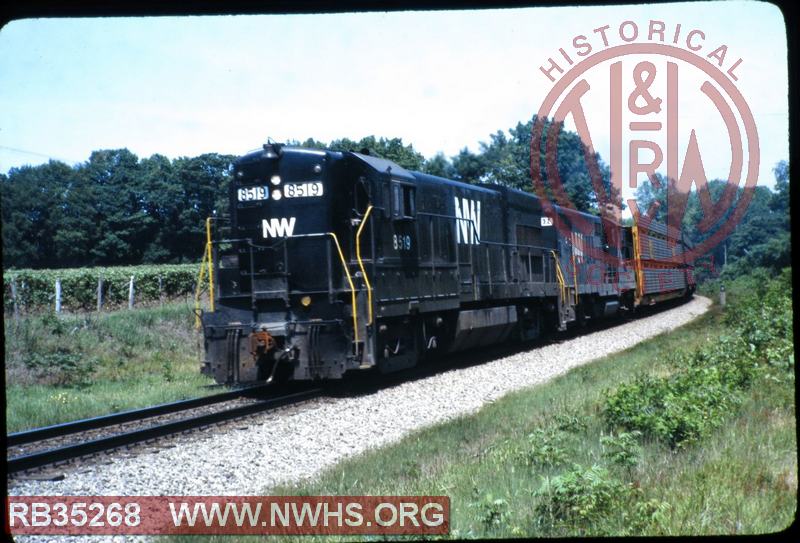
column 586, row 498
column 684, row 407
column 545, row 448
column 491, row 511
column 518, row 467
column 623, row 449
column 571, row 421
column 60, row 368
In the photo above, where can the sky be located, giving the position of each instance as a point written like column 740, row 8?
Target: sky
column 182, row 86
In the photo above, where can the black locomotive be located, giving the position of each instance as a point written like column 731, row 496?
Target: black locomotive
column 338, row 261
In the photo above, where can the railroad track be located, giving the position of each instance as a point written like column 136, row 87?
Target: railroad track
column 87, row 447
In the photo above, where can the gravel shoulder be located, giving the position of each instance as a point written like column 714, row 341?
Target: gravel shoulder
column 299, row 442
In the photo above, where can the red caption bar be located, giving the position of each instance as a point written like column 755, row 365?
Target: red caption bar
column 261, row 515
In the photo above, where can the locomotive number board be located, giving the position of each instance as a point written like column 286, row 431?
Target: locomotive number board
column 302, row 190
column 252, row 193
column 290, row 190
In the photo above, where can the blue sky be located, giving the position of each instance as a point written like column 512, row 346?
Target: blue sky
column 181, row 86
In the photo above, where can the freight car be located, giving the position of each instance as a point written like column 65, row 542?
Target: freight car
column 338, row 261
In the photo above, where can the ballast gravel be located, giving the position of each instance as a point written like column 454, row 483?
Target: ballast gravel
column 298, row 442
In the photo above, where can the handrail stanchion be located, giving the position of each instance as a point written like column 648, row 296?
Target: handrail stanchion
column 352, row 287
column 361, row 264
column 209, row 252
column 560, row 277
column 575, row 278
column 206, row 263
column 200, row 276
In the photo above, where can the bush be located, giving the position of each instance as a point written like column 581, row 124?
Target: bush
column 571, row 421
column 491, row 511
column 763, row 320
column 622, row 449
column 62, row 368
column 683, row 407
column 679, row 409
column 579, row 495
column 586, row 498
column 544, row 448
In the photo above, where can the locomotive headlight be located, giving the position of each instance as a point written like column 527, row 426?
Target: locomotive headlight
column 276, row 194
column 275, row 180
column 306, row 301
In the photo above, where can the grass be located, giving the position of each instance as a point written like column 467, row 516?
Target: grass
column 62, row 368
column 545, row 462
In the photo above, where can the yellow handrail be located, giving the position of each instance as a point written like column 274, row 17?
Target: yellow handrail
column 200, row 276
column 575, row 277
column 361, row 264
column 352, row 286
column 208, row 260
column 560, row 277
column 637, row 262
column 210, row 253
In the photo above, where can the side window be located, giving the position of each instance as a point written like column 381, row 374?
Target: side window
column 403, row 204
column 397, row 200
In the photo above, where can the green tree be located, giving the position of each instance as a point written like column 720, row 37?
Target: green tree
column 113, row 209
column 439, row 165
column 32, row 198
column 574, row 165
column 761, row 238
column 780, row 201
column 468, row 167
column 389, row 148
column 506, row 160
column 163, row 204
column 120, row 218
column 204, row 181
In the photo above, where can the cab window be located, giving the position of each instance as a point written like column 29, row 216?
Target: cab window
column 403, row 205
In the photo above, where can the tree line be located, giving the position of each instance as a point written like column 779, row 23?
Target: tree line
column 119, row 209
column 113, row 209
column 761, row 238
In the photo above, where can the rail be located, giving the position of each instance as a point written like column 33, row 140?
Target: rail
column 103, row 444
column 94, row 423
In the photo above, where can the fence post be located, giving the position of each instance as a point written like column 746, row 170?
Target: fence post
column 130, row 294
column 99, row 293
column 58, row 295
column 160, row 291
column 14, row 298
